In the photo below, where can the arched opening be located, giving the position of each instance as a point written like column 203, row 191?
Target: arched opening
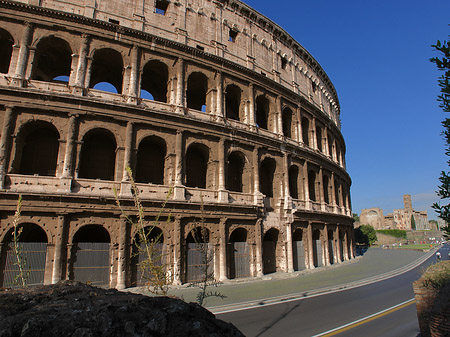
column 197, row 88
column 330, row 145
column 234, row 172
column 52, row 61
column 326, row 194
column 262, row 112
column 270, row 251
column 312, row 185
column 266, row 175
column 349, row 244
column 298, row 250
column 337, row 187
column 90, row 258
column 331, row 246
column 6, row 44
column 155, row 76
column 293, row 181
column 98, row 155
column 238, row 254
column 142, row 272
column 150, row 161
column 37, row 149
column 305, row 131
column 287, row 122
column 197, row 157
column 338, row 155
column 107, row 66
column 341, row 244
column 199, row 255
column 317, row 249
column 32, row 245
column 232, row 101
column 319, row 138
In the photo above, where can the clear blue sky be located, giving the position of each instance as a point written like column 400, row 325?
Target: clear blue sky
column 376, row 54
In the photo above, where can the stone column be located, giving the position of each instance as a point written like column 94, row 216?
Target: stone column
column 256, row 192
column 177, row 244
column 133, row 90
column 289, row 252
column 306, row 186
column 287, row 195
column 179, row 189
column 251, row 98
column 279, row 121
column 22, row 60
column 70, row 147
column 180, row 85
column 59, row 250
column 223, row 193
column 299, row 125
column 313, row 141
column 125, row 185
column 82, row 64
column 321, row 190
column 327, row 248
column 258, row 241
column 310, row 246
column 122, row 254
column 223, row 250
column 219, row 101
column 5, row 143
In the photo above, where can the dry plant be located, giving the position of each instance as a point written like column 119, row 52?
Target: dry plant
column 154, row 270
column 20, row 259
column 437, row 275
column 206, row 267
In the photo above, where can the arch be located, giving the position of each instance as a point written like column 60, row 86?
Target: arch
column 341, row 244
column 262, row 111
column 298, row 250
column 6, row 47
column 312, row 185
column 326, row 194
column 98, row 155
column 293, row 181
column 287, row 122
column 197, row 88
column 232, row 101
column 155, row 77
column 305, row 131
column 337, row 188
column 199, row 255
column 319, row 138
column 90, row 256
column 238, row 254
column 234, row 172
column 37, row 149
column 330, row 145
column 33, row 247
column 317, row 249
column 140, row 271
column 107, row 66
column 270, row 251
column 150, row 160
column 197, row 156
column 266, row 175
column 331, row 246
column 53, row 60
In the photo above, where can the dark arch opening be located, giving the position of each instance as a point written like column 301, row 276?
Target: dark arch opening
column 39, row 143
column 234, row 172
column 317, row 249
column 150, row 160
column 269, row 251
column 198, row 235
column 155, row 76
column 319, row 138
column 336, row 192
column 238, row 254
column 107, row 66
column 262, row 112
column 326, row 189
column 53, row 60
column 196, row 166
column 287, row 122
column 98, row 155
column 91, row 233
column 266, row 175
column 305, row 131
column 232, row 101
column 293, row 181
column 298, row 250
column 312, row 185
column 239, row 235
column 197, row 87
column 6, row 45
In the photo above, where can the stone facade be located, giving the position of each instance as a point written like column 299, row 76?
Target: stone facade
column 207, row 99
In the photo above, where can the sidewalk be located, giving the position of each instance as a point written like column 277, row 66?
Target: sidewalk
column 374, row 262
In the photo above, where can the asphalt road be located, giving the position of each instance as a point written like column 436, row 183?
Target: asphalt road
column 316, row 315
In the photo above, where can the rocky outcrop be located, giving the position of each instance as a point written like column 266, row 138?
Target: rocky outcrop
column 78, row 310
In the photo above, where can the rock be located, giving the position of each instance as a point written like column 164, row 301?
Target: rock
column 74, row 309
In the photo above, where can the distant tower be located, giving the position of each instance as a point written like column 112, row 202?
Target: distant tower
column 407, row 202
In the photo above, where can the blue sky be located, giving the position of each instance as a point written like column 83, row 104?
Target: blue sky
column 376, row 54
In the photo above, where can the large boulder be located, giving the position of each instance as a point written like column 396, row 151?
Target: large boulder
column 78, row 310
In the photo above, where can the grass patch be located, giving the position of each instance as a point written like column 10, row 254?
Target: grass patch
column 397, row 233
column 420, row 246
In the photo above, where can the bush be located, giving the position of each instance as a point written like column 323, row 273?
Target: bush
column 437, row 275
column 397, row 233
column 365, row 235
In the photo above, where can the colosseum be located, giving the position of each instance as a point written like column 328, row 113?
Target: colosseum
column 212, row 105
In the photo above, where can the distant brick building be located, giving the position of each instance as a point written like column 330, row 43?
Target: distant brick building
column 398, row 219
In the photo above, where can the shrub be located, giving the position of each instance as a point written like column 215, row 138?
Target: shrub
column 398, row 233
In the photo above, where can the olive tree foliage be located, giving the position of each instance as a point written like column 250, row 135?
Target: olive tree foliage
column 443, row 64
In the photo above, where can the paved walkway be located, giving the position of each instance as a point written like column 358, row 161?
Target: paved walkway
column 374, row 262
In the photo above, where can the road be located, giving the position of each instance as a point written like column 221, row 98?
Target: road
column 316, row 315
